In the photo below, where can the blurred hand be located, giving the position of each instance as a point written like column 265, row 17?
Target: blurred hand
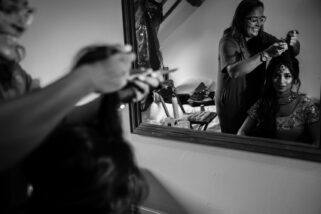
column 293, row 41
column 292, row 38
column 145, row 82
column 111, row 74
column 277, row 49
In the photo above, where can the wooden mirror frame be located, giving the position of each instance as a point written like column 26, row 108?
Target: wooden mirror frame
column 253, row 144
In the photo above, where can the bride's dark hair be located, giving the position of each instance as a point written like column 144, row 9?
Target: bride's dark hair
column 267, row 110
column 87, row 168
column 77, row 170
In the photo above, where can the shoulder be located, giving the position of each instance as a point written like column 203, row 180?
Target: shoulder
column 309, row 106
column 228, row 39
column 306, row 100
column 228, row 43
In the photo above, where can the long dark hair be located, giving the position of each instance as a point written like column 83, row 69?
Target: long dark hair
column 6, row 73
column 236, row 30
column 86, row 168
column 268, row 105
column 77, row 170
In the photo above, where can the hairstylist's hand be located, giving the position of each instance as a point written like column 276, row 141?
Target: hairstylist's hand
column 111, row 74
column 277, row 49
column 293, row 39
column 144, row 83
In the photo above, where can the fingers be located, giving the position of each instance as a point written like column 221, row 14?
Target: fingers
column 112, row 74
column 152, row 81
column 277, row 49
column 152, row 78
column 282, row 47
column 141, row 86
column 145, row 82
column 148, row 82
column 158, row 75
column 293, row 37
column 293, row 40
column 141, row 89
column 149, row 76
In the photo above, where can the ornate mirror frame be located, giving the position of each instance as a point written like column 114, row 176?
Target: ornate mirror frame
column 253, row 144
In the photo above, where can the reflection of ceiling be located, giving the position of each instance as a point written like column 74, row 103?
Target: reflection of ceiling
column 170, row 3
column 195, row 3
column 178, row 16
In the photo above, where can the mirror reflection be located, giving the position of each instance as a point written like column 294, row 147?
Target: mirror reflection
column 244, row 67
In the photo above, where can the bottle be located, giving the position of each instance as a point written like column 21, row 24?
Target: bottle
column 202, row 107
column 175, row 106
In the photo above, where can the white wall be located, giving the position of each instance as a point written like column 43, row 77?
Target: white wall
column 211, row 180
column 193, row 45
column 62, row 27
column 207, row 180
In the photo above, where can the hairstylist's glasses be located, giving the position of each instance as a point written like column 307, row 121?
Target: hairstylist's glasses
column 256, row 19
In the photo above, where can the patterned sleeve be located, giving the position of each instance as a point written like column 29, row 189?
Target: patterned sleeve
column 311, row 111
column 253, row 111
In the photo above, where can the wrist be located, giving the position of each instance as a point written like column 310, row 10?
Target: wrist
column 264, row 56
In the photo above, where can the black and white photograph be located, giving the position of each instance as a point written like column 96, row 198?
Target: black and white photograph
column 160, row 106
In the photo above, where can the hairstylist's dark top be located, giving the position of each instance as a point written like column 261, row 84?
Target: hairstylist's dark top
column 237, row 95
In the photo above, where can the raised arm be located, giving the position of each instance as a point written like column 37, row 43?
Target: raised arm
column 136, row 90
column 231, row 61
column 26, row 121
column 231, row 57
column 247, row 125
column 293, row 41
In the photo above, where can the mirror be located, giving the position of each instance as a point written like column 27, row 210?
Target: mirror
column 188, row 39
